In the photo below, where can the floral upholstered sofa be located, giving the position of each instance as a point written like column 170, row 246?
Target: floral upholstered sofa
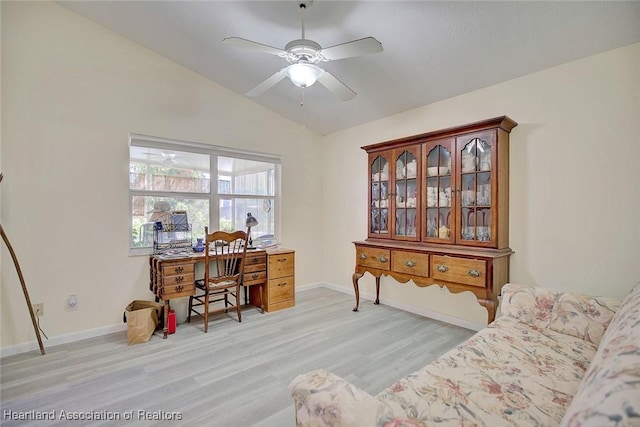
column 552, row 358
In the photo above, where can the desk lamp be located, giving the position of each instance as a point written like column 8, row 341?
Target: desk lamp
column 250, row 222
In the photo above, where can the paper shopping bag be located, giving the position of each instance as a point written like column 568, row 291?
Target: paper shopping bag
column 142, row 320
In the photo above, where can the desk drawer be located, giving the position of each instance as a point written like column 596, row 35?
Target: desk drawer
column 281, row 265
column 459, row 270
column 410, row 263
column 254, row 278
column 180, row 279
column 177, row 291
column 252, row 259
column 179, row 269
column 255, row 267
column 281, row 290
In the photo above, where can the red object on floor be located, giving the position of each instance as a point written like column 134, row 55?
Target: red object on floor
column 172, row 322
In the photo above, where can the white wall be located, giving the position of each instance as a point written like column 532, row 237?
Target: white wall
column 71, row 93
column 575, row 174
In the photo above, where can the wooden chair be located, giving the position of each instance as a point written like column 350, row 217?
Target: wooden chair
column 224, row 267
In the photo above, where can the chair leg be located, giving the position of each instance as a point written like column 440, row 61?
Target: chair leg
column 206, row 312
column 238, row 308
column 190, row 307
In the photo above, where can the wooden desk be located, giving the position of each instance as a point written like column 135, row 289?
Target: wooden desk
column 171, row 277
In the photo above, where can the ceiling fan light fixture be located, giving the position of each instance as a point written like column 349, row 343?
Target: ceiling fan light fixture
column 303, row 74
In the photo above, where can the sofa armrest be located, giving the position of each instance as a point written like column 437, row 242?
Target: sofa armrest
column 324, row 399
column 579, row 315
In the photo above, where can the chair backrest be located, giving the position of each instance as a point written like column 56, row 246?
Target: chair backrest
column 226, row 252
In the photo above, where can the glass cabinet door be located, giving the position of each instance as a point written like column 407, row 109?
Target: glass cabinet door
column 477, row 158
column 406, row 199
column 441, row 190
column 379, row 196
column 438, row 183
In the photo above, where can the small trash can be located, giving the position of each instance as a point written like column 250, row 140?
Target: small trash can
column 171, row 323
column 142, row 319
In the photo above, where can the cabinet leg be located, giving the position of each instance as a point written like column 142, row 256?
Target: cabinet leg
column 354, row 279
column 377, row 301
column 490, row 305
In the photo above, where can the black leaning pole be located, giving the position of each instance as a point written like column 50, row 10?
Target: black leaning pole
column 24, row 285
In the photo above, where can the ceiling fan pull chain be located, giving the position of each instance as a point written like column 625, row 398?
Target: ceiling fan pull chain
column 302, row 98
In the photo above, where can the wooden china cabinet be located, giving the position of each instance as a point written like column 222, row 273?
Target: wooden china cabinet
column 439, row 211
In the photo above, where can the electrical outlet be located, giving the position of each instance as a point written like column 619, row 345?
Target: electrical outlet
column 72, row 302
column 38, row 309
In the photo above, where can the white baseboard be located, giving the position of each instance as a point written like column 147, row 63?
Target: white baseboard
column 91, row 333
column 61, row 339
column 474, row 326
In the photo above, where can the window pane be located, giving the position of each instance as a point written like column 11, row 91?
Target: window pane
column 166, row 170
column 245, row 177
column 142, row 219
column 233, row 215
column 179, row 174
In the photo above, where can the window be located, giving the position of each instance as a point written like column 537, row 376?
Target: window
column 167, row 175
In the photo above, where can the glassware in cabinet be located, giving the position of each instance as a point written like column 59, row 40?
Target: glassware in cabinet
column 379, row 195
column 406, row 197
column 477, row 157
column 439, row 184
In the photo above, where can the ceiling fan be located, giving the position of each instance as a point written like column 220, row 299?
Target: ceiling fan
column 303, row 55
column 168, row 159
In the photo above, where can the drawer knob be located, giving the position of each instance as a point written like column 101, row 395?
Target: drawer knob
column 179, row 269
column 282, row 259
column 410, row 264
column 382, row 259
column 179, row 279
column 442, row 268
column 282, row 284
column 363, row 256
column 254, row 276
column 179, row 288
column 474, row 273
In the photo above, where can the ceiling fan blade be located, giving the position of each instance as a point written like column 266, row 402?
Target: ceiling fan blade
column 248, row 44
column 267, row 84
column 353, row 48
column 340, row 89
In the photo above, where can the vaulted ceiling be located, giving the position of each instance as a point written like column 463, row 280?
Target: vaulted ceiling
column 432, row 50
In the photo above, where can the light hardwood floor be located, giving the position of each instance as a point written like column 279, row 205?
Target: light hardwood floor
column 236, row 375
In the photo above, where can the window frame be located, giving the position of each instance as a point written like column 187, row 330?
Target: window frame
column 214, row 197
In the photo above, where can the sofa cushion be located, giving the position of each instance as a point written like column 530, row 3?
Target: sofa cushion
column 579, row 315
column 507, row 374
column 583, row 316
column 609, row 394
column 527, row 304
